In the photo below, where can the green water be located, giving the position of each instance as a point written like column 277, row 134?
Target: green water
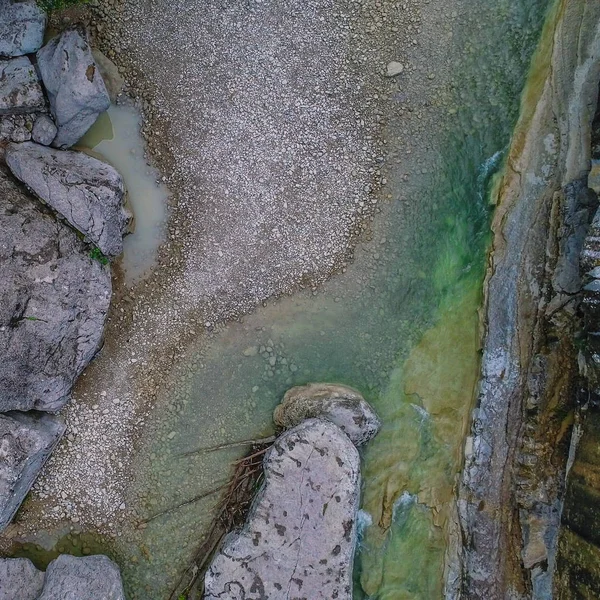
column 400, row 325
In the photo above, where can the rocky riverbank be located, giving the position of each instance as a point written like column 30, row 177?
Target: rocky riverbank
column 523, row 439
column 58, row 231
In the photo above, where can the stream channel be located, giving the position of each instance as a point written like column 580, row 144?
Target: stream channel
column 401, row 325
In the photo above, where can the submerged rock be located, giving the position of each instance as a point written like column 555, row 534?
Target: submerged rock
column 20, row 89
column 44, row 130
column 86, row 578
column 339, row 404
column 22, row 27
column 76, row 91
column 26, row 441
column 89, row 193
column 53, row 304
column 110, row 74
column 299, row 539
column 19, row 579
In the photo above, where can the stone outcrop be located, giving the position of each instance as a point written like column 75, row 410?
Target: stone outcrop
column 94, row 577
column 89, row 193
column 300, row 535
column 53, row 304
column 75, row 88
column 88, row 578
column 26, row 441
column 342, row 405
column 20, row 89
column 22, row 26
column 517, row 459
column 44, row 130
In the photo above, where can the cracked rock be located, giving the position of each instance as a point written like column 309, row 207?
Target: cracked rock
column 75, row 88
column 20, row 89
column 89, row 193
column 22, row 27
column 26, row 441
column 53, row 304
column 336, row 403
column 299, row 539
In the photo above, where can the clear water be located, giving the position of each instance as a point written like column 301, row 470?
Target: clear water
column 116, row 137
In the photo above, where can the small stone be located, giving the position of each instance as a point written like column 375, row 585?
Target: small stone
column 44, row 130
column 394, row 68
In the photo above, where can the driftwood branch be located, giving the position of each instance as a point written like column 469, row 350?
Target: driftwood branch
column 257, row 442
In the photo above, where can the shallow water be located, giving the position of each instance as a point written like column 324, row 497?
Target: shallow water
column 116, row 137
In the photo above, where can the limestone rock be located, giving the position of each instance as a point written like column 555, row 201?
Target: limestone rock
column 19, row 579
column 86, row 191
column 22, row 27
column 76, row 91
column 336, row 403
column 87, row 578
column 53, row 304
column 44, row 130
column 20, row 89
column 299, row 539
column 26, row 441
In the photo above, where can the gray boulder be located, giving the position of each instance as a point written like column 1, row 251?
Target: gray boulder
column 75, row 88
column 19, row 579
column 339, row 404
column 300, row 535
column 27, row 440
column 44, row 130
column 87, row 578
column 53, row 304
column 20, row 89
column 89, row 193
column 22, row 26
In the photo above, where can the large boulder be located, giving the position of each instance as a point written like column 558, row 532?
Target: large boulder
column 54, row 300
column 300, row 535
column 339, row 404
column 87, row 578
column 22, row 25
column 26, row 441
column 19, row 579
column 75, row 88
column 89, row 193
column 20, row 89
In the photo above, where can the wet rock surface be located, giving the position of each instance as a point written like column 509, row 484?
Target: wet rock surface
column 21, row 27
column 89, row 193
column 20, row 89
column 53, row 304
column 342, row 405
column 91, row 577
column 19, row 579
column 75, row 88
column 26, row 441
column 299, row 538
